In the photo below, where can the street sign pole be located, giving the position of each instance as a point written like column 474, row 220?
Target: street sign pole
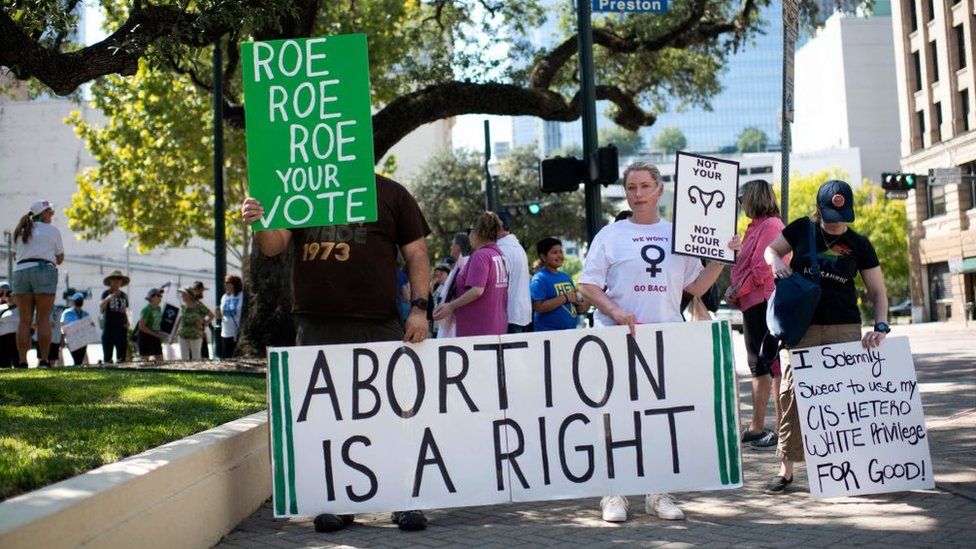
column 594, row 210
column 790, row 30
column 220, row 251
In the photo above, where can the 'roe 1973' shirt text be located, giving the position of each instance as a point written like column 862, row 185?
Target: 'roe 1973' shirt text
column 349, row 271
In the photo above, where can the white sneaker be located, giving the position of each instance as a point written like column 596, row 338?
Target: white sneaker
column 663, row 506
column 614, row 508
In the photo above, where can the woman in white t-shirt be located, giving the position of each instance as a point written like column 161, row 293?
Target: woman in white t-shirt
column 39, row 251
column 632, row 278
column 229, row 314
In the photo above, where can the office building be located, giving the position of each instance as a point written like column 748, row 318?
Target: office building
column 845, row 93
column 936, row 78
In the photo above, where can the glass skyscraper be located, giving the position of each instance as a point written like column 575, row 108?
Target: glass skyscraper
column 752, row 96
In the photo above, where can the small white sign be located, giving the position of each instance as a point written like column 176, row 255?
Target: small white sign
column 861, row 419
column 9, row 321
column 705, row 192
column 81, row 333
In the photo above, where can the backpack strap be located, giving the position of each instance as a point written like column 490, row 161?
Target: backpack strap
column 812, row 243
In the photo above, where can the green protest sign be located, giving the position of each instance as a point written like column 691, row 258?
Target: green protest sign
column 309, row 131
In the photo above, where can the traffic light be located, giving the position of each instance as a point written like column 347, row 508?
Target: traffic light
column 531, row 208
column 900, row 181
column 561, row 174
column 604, row 165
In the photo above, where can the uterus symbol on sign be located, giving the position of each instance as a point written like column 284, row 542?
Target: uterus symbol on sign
column 706, row 198
column 653, row 269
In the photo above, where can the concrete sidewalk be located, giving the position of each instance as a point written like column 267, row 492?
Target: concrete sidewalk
column 945, row 358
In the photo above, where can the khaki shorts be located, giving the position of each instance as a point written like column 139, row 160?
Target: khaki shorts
column 790, row 439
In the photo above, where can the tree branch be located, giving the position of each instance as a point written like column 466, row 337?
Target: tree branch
column 408, row 112
column 691, row 30
column 119, row 53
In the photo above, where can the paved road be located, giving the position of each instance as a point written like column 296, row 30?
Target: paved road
column 946, row 517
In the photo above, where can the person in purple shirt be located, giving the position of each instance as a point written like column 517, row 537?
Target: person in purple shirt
column 481, row 307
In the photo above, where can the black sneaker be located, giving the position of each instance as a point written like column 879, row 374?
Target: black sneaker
column 749, row 437
column 44, row 364
column 409, row 520
column 22, row 366
column 778, row 484
column 767, row 442
column 327, row 522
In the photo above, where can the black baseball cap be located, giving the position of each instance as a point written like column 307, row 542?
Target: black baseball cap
column 836, row 202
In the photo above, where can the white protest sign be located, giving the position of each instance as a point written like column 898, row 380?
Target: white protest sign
column 9, row 320
column 493, row 419
column 81, row 332
column 705, row 192
column 861, row 418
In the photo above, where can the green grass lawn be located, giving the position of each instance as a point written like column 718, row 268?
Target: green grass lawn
column 55, row 424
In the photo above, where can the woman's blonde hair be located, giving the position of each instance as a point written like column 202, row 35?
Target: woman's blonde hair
column 642, row 167
column 758, row 199
column 487, row 226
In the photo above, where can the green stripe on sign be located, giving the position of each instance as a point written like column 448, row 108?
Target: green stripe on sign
column 732, row 428
column 717, row 407
column 292, row 498
column 279, row 471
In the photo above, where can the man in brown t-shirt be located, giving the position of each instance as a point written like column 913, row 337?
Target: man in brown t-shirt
column 344, row 286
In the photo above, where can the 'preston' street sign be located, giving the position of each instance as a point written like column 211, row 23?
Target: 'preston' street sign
column 631, row 6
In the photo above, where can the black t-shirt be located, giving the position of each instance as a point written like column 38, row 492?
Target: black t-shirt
column 849, row 254
column 115, row 312
column 350, row 270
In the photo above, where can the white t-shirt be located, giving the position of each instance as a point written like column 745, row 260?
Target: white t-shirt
column 635, row 264
column 45, row 243
column 519, row 302
column 230, row 308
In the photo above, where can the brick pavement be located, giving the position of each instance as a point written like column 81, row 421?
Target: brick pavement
column 944, row 517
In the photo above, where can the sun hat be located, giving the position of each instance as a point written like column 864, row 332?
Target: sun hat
column 116, row 274
column 77, row 295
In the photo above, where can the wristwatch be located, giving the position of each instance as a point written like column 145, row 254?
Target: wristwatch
column 419, row 303
column 882, row 327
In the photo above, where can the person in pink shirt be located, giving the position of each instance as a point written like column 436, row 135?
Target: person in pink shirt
column 481, row 307
column 752, row 284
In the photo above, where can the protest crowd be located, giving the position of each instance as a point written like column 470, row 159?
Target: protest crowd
column 50, row 328
column 386, row 290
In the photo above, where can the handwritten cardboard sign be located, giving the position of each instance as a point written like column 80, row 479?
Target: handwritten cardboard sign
column 705, row 193
column 861, row 418
column 485, row 420
column 309, row 131
column 81, row 332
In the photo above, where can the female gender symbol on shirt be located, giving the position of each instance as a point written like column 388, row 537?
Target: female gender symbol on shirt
column 706, row 198
column 653, row 269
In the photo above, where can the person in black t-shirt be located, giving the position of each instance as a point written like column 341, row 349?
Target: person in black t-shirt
column 115, row 312
column 841, row 254
column 344, row 286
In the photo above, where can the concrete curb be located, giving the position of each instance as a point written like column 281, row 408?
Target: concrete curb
column 187, row 493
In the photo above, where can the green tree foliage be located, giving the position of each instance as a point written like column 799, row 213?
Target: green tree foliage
column 752, row 139
column 670, row 140
column 628, row 143
column 449, row 191
column 154, row 172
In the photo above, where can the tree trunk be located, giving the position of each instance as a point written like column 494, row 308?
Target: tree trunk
column 267, row 317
